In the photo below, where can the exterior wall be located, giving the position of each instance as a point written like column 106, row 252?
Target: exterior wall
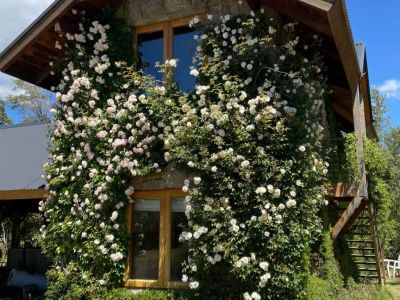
column 144, row 12
column 169, row 178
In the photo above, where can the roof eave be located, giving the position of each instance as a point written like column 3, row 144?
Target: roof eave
column 42, row 23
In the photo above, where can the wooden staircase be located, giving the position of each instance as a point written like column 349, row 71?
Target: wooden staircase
column 358, row 226
column 361, row 244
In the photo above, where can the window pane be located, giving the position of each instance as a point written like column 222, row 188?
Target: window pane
column 178, row 253
column 150, row 47
column 145, row 237
column 184, row 51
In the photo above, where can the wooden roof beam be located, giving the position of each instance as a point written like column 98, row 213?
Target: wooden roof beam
column 23, row 194
column 343, row 38
column 14, row 51
column 343, row 112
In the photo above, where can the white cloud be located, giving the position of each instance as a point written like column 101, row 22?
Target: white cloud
column 15, row 17
column 390, row 88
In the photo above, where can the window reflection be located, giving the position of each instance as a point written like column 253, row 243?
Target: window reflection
column 184, row 51
column 178, row 253
column 145, row 237
column 150, row 48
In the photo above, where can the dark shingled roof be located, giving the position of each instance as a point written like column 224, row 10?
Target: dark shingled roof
column 23, row 151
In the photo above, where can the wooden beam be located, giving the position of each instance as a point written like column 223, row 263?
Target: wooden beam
column 378, row 250
column 303, row 12
column 344, row 190
column 341, row 32
column 23, row 194
column 321, row 5
column 343, row 112
column 360, row 132
column 348, row 217
column 31, row 34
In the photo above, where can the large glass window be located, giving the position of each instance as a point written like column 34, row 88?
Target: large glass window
column 156, row 220
column 178, row 254
column 171, row 39
column 145, row 237
column 150, row 50
column 184, row 51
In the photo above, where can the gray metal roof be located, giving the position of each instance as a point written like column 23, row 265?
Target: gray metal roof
column 23, row 151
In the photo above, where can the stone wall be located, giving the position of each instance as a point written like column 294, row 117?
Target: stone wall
column 169, row 178
column 144, row 12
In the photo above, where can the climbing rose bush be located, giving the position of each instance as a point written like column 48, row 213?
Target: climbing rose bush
column 252, row 130
column 110, row 122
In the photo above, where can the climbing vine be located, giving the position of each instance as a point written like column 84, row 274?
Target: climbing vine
column 251, row 130
column 109, row 125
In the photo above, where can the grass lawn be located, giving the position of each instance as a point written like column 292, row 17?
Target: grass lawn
column 393, row 286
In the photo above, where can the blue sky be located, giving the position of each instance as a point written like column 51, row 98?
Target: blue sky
column 377, row 23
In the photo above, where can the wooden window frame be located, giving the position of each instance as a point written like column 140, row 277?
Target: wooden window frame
column 164, row 260
column 167, row 28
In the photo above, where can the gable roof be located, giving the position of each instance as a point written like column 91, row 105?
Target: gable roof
column 23, row 151
column 29, row 55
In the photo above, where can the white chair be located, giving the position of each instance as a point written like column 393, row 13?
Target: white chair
column 392, row 264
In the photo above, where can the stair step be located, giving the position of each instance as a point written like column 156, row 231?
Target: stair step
column 359, row 241
column 366, row 270
column 365, row 262
column 370, row 276
column 366, row 226
column 362, row 255
column 362, row 248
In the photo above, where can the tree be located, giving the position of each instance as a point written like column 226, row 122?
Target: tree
column 32, row 102
column 4, row 119
column 379, row 111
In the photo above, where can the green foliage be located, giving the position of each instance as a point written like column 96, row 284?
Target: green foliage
column 108, row 128
column 252, row 132
column 392, row 146
column 32, row 102
column 330, row 285
column 124, row 294
column 382, row 185
column 318, row 289
column 330, row 270
column 379, row 189
column 4, row 118
column 351, row 164
column 72, row 284
column 379, row 112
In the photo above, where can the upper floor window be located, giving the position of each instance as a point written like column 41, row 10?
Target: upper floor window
column 150, row 51
column 167, row 40
column 184, row 50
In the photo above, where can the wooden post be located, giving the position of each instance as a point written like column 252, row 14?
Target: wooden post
column 16, row 230
column 360, row 132
column 377, row 246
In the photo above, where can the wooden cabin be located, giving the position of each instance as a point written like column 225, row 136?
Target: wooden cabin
column 162, row 22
